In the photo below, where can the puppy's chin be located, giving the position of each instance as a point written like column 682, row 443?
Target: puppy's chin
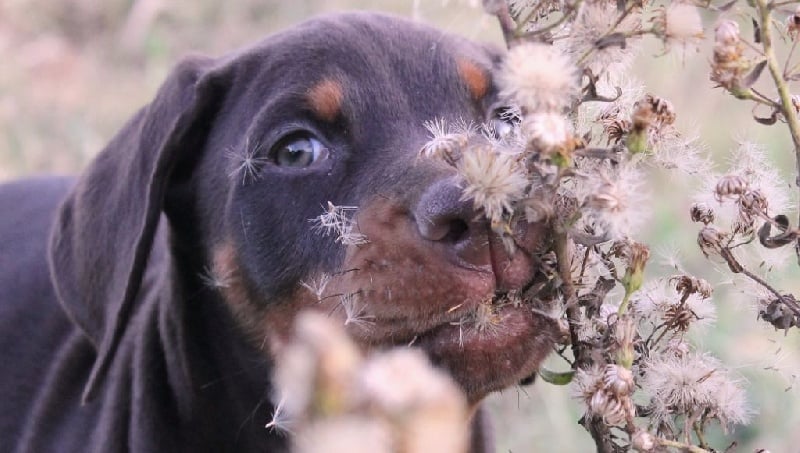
column 494, row 357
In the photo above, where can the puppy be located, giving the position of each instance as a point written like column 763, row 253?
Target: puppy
column 142, row 305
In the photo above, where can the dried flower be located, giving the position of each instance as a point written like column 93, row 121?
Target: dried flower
column 444, row 144
column 694, row 384
column 710, row 240
column 793, row 23
column 730, row 186
column 590, row 388
column 688, row 284
column 618, row 380
column 701, row 212
column 753, row 202
column 588, row 30
column 679, row 23
column 729, row 65
column 492, row 180
column 643, row 441
column 539, row 78
column 549, row 133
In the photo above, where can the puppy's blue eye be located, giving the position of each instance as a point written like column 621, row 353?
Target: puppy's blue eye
column 298, row 151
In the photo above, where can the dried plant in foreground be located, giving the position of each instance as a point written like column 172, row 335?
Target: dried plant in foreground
column 577, row 153
column 333, row 399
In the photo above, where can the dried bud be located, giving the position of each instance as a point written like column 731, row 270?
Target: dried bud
column 607, row 406
column 729, row 64
column 549, row 133
column 778, row 314
column 679, row 317
column 687, row 284
column 643, row 115
column 753, row 202
column 615, row 129
column 618, row 380
column 608, row 197
column 635, row 255
column 445, row 143
column 793, row 23
column 643, row 441
column 710, row 240
column 701, row 212
column 625, row 335
column 726, row 33
column 730, row 186
column 665, row 112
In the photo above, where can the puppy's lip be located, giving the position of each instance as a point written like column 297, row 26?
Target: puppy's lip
column 492, row 359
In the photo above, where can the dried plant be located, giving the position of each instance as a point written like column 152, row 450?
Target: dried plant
column 575, row 157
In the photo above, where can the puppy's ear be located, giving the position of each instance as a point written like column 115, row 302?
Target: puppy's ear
column 104, row 230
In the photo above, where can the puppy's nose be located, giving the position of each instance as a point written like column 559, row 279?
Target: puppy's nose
column 444, row 216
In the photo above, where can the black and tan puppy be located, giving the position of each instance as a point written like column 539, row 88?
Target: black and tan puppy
column 141, row 306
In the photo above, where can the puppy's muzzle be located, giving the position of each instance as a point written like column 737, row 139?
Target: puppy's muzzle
column 452, row 224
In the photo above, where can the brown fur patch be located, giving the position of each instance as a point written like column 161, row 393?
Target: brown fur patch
column 268, row 327
column 474, row 77
column 325, row 99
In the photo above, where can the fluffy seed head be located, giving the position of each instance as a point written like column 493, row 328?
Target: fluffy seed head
column 694, row 384
column 679, row 23
column 539, row 78
column 548, row 133
column 492, row 180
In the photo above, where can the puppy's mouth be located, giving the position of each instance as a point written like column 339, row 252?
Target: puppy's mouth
column 462, row 305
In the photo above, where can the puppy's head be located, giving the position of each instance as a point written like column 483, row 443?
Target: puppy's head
column 290, row 176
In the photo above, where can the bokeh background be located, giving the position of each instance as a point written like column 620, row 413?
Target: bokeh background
column 72, row 71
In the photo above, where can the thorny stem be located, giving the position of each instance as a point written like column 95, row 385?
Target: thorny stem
column 788, row 110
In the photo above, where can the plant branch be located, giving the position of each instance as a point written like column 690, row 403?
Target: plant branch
column 787, row 106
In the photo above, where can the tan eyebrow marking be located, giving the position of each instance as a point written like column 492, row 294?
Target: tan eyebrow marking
column 474, row 76
column 325, row 99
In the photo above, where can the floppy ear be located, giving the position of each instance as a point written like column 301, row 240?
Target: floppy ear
column 105, row 228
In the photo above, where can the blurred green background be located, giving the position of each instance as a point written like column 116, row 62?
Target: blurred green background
column 72, row 71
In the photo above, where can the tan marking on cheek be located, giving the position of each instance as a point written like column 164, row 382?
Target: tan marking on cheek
column 474, row 77
column 325, row 99
column 234, row 292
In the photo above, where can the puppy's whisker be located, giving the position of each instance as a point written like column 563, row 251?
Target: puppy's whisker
column 251, row 416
